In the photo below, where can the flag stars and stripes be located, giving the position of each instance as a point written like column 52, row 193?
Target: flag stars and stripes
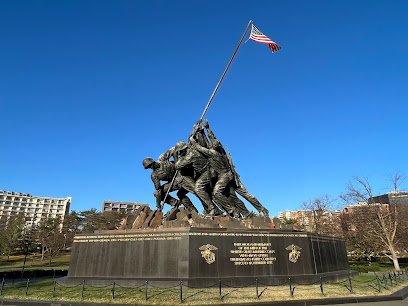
column 258, row 36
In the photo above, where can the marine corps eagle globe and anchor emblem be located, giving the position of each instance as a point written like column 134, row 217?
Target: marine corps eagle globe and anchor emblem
column 295, row 252
column 207, row 254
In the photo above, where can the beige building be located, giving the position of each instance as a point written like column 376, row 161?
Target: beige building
column 361, row 209
column 32, row 208
column 127, row 207
column 306, row 219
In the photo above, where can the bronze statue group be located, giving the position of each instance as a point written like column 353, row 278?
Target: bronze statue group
column 203, row 168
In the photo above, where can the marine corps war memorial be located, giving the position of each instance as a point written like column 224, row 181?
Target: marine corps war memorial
column 228, row 244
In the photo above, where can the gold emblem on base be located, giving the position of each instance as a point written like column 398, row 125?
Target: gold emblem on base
column 295, row 252
column 207, row 254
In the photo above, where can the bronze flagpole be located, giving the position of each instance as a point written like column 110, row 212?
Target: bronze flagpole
column 225, row 71
column 209, row 102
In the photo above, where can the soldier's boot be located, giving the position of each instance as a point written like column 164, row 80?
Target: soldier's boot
column 237, row 203
column 210, row 208
column 242, row 191
column 235, row 214
column 249, row 215
column 214, row 211
column 188, row 204
column 208, row 205
column 173, row 202
column 185, row 200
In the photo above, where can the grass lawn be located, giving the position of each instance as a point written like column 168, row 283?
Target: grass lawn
column 34, row 262
column 365, row 285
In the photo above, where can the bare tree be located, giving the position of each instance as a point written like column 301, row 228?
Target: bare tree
column 324, row 222
column 354, row 227
column 46, row 228
column 378, row 224
column 55, row 244
column 397, row 179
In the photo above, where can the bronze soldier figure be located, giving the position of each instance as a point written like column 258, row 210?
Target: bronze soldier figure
column 189, row 156
column 224, row 176
column 236, row 183
column 165, row 171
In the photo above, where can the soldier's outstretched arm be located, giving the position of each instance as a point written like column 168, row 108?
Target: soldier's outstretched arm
column 210, row 133
column 191, row 137
column 202, row 139
column 201, row 149
column 167, row 155
column 193, row 133
column 158, row 193
column 182, row 162
column 156, row 181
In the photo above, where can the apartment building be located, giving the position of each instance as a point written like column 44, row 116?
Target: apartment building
column 306, row 219
column 31, row 207
column 127, row 207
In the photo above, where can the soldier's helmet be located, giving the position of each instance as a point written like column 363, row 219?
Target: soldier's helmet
column 180, row 146
column 147, row 162
column 215, row 143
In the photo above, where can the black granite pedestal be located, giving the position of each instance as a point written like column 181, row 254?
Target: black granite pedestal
column 202, row 257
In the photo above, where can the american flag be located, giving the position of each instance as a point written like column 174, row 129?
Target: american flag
column 258, row 36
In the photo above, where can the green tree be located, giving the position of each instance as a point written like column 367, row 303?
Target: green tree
column 289, row 221
column 111, row 220
column 92, row 220
column 89, row 220
column 71, row 226
column 11, row 235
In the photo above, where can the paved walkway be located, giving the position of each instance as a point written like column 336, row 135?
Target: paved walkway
column 386, row 303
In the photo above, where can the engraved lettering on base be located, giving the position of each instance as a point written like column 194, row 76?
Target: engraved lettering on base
column 295, row 252
column 207, row 254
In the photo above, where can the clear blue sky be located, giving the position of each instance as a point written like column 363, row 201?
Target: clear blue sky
column 88, row 89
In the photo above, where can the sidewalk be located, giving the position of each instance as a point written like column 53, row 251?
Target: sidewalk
column 386, row 303
column 399, row 298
